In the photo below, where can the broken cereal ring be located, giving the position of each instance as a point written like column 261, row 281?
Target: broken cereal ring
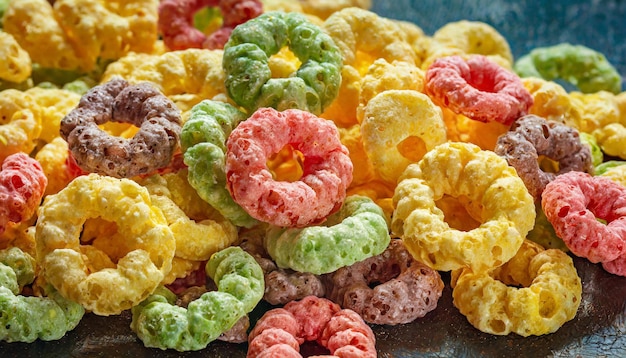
column 248, row 76
column 142, row 105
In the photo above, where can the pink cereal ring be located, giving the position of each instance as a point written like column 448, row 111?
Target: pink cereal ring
column 342, row 331
column 22, row 184
column 477, row 88
column 574, row 201
column 326, row 168
column 176, row 21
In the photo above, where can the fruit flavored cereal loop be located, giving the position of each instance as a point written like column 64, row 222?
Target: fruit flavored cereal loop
column 176, row 21
column 16, row 65
column 534, row 293
column 161, row 324
column 141, row 105
column 203, row 141
column 145, row 256
column 574, row 201
column 406, row 289
column 20, row 122
column 22, row 185
column 477, row 88
column 492, row 193
column 579, row 65
column 281, row 331
column 531, row 138
column 28, row 318
column 248, row 76
column 356, row 232
column 327, row 170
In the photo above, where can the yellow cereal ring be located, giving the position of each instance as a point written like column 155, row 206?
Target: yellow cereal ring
column 195, row 241
column 616, row 173
column 20, row 123
column 145, row 256
column 382, row 76
column 534, row 293
column 186, row 76
column 463, row 129
column 54, row 104
column 596, row 110
column 363, row 170
column 52, row 157
column 491, row 192
column 474, row 37
column 550, row 100
column 15, row 64
column 324, row 8
column 399, row 127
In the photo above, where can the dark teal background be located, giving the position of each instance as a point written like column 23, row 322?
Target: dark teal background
column 598, row 24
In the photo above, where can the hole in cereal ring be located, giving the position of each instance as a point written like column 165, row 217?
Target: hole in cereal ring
column 456, row 214
column 548, row 306
column 497, row 326
column 286, row 165
column 548, row 165
column 413, row 148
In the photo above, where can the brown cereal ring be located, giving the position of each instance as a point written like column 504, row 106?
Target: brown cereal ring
column 284, row 285
column 407, row 288
column 478, row 88
column 531, row 138
column 142, row 105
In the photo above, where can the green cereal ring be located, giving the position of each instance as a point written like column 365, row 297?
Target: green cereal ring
column 28, row 318
column 357, row 231
column 248, row 76
column 604, row 167
column 581, row 66
column 543, row 232
column 240, row 287
column 203, row 140
column 597, row 157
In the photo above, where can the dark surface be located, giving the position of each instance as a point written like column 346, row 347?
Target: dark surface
column 599, row 328
column 526, row 24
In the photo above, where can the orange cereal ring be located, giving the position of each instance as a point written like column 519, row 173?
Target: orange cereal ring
column 488, row 188
column 176, row 21
column 142, row 105
column 22, row 184
column 534, row 293
column 145, row 244
column 477, row 88
column 327, row 169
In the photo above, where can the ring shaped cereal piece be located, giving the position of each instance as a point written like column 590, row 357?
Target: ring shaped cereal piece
column 473, row 37
column 54, row 105
column 406, row 290
column 534, row 293
column 16, row 64
column 327, row 169
column 495, row 197
column 177, row 27
column 574, row 201
column 240, row 286
column 531, row 138
column 579, row 65
column 399, row 127
column 325, row 8
column 283, row 286
column 149, row 244
column 281, row 331
column 203, row 141
column 248, row 76
column 477, row 88
column 22, row 185
column 142, row 105
column 28, row 318
column 20, row 122
column 357, row 231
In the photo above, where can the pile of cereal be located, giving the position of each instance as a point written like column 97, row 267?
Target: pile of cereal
column 161, row 158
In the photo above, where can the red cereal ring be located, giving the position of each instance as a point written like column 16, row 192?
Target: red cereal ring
column 22, row 184
column 573, row 202
column 281, row 331
column 406, row 290
column 327, row 168
column 176, row 21
column 142, row 105
column 477, row 88
column 530, row 138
